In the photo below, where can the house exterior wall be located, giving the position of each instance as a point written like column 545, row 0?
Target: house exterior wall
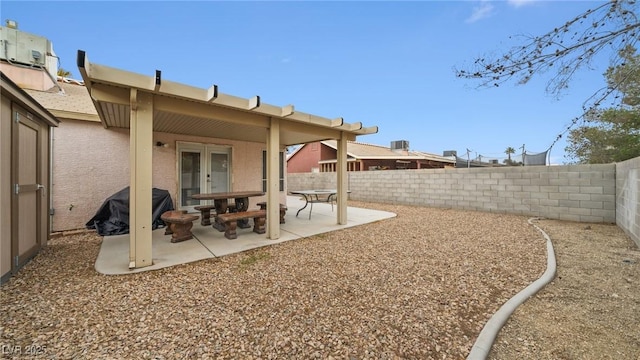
column 390, row 164
column 309, row 159
column 91, row 163
column 585, row 193
column 628, row 198
column 305, row 159
column 5, row 186
column 327, row 153
column 45, row 177
column 27, row 78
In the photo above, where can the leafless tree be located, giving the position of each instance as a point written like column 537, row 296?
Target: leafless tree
column 565, row 50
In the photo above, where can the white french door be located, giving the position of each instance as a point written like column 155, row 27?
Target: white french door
column 202, row 168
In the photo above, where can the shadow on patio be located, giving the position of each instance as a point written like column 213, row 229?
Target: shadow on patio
column 113, row 258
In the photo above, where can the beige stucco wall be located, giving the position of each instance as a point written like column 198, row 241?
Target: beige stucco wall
column 246, row 162
column 5, row 186
column 91, row 163
column 26, row 78
column 45, row 148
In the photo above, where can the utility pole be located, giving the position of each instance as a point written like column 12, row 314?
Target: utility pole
column 468, row 152
column 522, row 154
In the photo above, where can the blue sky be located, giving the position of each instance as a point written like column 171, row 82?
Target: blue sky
column 383, row 63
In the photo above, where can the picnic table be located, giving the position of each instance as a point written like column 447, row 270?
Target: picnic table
column 221, row 204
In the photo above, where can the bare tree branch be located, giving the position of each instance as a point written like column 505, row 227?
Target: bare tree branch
column 565, row 49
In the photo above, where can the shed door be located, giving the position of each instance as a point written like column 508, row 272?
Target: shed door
column 28, row 192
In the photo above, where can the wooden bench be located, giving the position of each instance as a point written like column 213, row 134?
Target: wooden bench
column 205, row 212
column 283, row 210
column 179, row 224
column 230, row 221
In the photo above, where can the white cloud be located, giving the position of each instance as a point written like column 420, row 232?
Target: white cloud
column 285, row 60
column 482, row 11
column 519, row 3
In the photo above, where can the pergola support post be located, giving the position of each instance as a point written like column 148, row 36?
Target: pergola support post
column 342, row 183
column 273, row 179
column 140, row 188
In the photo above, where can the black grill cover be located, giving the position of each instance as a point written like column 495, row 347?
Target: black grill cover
column 113, row 216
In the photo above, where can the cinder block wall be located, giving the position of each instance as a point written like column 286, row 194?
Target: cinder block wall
column 585, row 193
column 628, row 198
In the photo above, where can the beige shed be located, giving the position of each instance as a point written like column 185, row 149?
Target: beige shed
column 24, row 177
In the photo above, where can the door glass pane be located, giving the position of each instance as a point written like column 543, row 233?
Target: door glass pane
column 219, row 173
column 190, row 177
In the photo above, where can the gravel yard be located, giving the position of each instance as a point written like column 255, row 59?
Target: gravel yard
column 420, row 285
column 591, row 310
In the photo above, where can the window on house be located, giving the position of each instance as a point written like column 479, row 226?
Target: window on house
column 264, row 171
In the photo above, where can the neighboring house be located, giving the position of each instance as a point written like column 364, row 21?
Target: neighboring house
column 24, row 177
column 321, row 157
column 125, row 129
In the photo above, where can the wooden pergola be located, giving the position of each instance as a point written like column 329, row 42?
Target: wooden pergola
column 146, row 104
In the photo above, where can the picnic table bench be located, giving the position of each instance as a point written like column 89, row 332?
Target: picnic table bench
column 230, row 221
column 205, row 212
column 179, row 224
column 283, row 209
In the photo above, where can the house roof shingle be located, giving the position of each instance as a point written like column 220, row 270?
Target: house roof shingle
column 360, row 150
column 73, row 102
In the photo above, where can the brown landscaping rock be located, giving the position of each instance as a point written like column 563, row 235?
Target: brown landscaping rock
column 398, row 288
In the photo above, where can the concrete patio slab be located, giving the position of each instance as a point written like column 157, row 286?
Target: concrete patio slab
column 208, row 242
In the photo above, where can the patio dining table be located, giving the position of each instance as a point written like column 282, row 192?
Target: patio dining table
column 221, row 204
column 316, row 196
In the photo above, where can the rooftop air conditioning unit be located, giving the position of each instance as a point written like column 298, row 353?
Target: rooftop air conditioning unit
column 400, row 145
column 23, row 48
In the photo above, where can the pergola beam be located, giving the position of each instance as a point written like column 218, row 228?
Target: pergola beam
column 120, row 78
column 287, row 110
column 337, row 122
column 212, row 93
column 158, row 80
column 206, row 112
column 254, row 103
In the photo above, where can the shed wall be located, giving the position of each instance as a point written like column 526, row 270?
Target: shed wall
column 37, row 147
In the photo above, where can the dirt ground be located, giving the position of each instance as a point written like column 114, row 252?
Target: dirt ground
column 591, row 310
